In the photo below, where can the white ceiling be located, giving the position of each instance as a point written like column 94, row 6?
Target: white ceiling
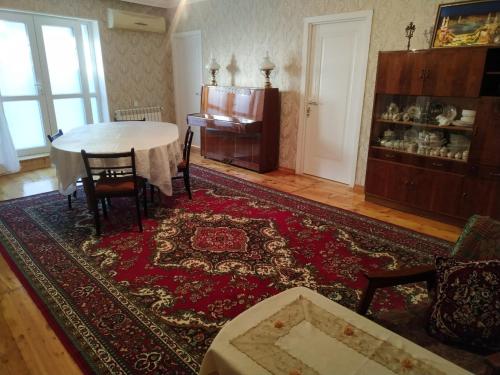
column 161, row 3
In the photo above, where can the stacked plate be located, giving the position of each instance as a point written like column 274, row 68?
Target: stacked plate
column 467, row 119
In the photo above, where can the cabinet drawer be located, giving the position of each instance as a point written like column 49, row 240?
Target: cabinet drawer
column 491, row 173
column 446, row 165
column 386, row 154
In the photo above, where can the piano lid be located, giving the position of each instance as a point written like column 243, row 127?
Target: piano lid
column 234, row 119
column 226, row 123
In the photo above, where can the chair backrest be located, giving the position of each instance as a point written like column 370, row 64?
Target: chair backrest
column 112, row 165
column 480, row 239
column 188, row 139
column 54, row 136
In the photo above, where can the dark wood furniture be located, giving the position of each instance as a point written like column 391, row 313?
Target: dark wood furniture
column 445, row 188
column 240, row 126
column 183, row 167
column 116, row 181
column 412, row 323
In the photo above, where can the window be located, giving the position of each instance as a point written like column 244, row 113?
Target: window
column 49, row 79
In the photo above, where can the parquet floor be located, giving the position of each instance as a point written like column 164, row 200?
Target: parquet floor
column 29, row 346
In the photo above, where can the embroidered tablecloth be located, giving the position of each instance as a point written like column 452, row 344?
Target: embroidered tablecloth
column 299, row 332
column 156, row 145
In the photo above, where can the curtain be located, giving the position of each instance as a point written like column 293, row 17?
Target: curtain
column 9, row 163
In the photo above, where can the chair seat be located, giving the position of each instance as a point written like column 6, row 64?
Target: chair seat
column 411, row 325
column 181, row 166
column 116, row 185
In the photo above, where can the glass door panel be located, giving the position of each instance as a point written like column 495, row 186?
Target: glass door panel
column 25, row 121
column 70, row 113
column 62, row 60
column 20, row 97
column 17, row 73
column 65, row 59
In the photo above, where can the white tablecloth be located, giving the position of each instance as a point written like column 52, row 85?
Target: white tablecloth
column 300, row 332
column 156, row 145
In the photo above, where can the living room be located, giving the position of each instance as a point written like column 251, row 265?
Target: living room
column 321, row 156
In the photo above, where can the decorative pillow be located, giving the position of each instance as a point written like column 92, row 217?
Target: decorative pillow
column 466, row 309
column 479, row 240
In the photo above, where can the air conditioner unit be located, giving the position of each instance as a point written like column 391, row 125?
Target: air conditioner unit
column 121, row 19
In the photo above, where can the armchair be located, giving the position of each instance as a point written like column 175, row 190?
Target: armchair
column 480, row 240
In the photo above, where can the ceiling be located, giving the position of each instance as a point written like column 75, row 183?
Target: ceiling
column 161, row 3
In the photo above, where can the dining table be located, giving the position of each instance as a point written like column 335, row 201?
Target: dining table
column 301, row 332
column 156, row 146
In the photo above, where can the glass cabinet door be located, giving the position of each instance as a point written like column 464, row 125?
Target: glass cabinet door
column 434, row 127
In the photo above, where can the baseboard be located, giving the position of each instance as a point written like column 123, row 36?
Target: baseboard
column 34, row 163
column 359, row 189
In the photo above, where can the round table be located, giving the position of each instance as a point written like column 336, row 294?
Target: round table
column 156, row 146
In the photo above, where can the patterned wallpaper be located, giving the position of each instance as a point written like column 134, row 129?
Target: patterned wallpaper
column 137, row 65
column 239, row 32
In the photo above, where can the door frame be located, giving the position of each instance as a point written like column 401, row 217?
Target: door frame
column 177, row 81
column 357, row 106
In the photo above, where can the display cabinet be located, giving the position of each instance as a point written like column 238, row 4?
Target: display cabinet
column 435, row 133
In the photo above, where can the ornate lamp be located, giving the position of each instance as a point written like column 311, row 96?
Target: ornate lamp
column 213, row 67
column 409, row 30
column 266, row 67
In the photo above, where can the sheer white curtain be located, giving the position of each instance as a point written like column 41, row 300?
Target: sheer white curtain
column 9, row 163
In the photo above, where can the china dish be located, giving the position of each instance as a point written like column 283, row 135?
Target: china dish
column 462, row 123
column 415, row 112
column 450, row 112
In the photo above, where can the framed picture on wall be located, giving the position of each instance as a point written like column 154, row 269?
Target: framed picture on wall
column 467, row 23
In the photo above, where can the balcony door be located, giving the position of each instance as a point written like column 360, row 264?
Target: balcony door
column 48, row 78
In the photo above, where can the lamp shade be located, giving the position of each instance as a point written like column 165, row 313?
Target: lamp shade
column 213, row 65
column 267, row 64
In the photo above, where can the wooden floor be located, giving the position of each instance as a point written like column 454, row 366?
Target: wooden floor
column 29, row 346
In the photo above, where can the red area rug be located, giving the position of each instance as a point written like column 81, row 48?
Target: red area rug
column 152, row 302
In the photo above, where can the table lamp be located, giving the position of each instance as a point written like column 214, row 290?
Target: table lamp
column 213, row 67
column 266, row 67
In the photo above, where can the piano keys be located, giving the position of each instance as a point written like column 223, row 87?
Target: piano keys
column 240, row 126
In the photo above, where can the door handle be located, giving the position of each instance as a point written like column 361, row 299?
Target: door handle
column 312, row 102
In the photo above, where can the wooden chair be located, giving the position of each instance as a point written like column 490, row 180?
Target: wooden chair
column 411, row 323
column 183, row 166
column 118, row 181
column 51, row 139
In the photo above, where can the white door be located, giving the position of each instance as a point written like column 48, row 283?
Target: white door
column 69, row 76
column 186, row 49
column 21, row 95
column 48, row 77
column 337, row 61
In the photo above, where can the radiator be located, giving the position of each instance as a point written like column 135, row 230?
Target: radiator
column 152, row 113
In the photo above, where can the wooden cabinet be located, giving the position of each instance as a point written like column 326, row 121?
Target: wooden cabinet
column 446, row 171
column 419, row 188
column 440, row 72
column 481, row 192
column 454, row 72
column 485, row 148
column 400, row 73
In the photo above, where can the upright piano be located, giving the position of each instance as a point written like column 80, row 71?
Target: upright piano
column 240, row 126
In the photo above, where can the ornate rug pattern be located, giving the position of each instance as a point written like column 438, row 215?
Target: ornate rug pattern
column 152, row 302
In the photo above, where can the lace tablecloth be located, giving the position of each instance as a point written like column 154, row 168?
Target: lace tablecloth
column 299, row 332
column 156, row 145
